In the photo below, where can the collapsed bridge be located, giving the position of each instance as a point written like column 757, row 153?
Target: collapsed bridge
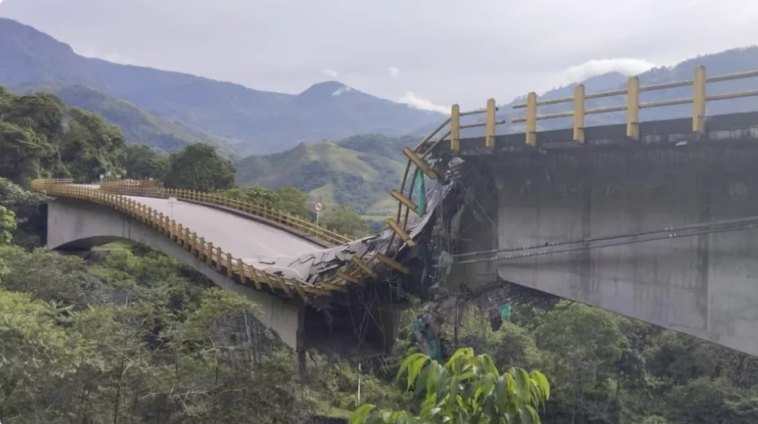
column 647, row 219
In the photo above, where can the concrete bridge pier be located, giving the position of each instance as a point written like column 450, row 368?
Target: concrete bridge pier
column 704, row 285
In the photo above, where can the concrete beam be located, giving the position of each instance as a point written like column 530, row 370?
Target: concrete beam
column 706, row 285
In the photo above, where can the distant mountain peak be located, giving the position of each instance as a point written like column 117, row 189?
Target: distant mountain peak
column 327, row 89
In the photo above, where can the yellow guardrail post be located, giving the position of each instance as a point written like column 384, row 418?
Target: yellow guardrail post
column 241, row 271
column 531, row 119
column 698, row 100
column 489, row 141
column 579, row 112
column 633, row 108
column 455, row 128
column 254, row 277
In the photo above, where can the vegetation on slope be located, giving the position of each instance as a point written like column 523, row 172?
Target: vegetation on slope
column 137, row 125
column 359, row 171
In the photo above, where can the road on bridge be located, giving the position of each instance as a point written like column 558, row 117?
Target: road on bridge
column 243, row 237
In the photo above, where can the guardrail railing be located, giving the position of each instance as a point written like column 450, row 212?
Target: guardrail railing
column 153, row 188
column 213, row 256
column 633, row 105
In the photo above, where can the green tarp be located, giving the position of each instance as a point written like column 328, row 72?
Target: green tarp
column 419, row 194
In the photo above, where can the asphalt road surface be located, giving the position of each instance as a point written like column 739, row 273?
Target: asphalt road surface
column 243, row 238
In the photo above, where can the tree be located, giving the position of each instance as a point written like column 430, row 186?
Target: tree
column 25, row 155
column 7, row 225
column 468, row 389
column 345, row 221
column 142, row 162
column 292, row 200
column 30, row 225
column 40, row 112
column 256, row 194
column 91, row 147
column 199, row 167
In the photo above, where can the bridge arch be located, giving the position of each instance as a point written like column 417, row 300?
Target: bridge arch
column 76, row 224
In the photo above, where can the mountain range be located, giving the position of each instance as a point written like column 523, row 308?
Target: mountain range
column 240, row 119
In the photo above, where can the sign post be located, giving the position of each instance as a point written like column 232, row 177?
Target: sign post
column 318, row 206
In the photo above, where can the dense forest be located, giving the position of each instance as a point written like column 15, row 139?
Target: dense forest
column 123, row 334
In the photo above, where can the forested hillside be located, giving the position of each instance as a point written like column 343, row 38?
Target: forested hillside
column 358, row 171
column 137, row 125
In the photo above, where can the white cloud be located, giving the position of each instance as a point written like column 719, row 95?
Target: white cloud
column 595, row 67
column 413, row 100
column 342, row 90
column 330, row 72
column 118, row 58
column 114, row 57
column 393, row 71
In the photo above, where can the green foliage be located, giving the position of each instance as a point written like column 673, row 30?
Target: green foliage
column 292, row 200
column 137, row 124
column 35, row 351
column 41, row 113
column 344, row 220
column 467, row 389
column 255, row 194
column 199, row 167
column 7, row 225
column 30, row 226
column 25, row 155
column 142, row 162
column 91, row 147
column 358, row 172
column 706, row 401
column 288, row 199
column 47, row 276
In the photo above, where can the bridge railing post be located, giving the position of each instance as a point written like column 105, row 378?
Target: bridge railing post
column 489, row 141
column 455, row 128
column 218, row 258
column 254, row 277
column 229, row 270
column 698, row 100
column 633, row 108
column 210, row 254
column 241, row 271
column 579, row 113
column 531, row 119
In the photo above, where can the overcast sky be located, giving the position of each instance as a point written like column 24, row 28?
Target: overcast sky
column 431, row 53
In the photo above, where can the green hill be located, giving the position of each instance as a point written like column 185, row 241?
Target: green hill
column 137, row 125
column 359, row 171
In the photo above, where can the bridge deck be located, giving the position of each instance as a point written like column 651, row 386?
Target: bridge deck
column 247, row 239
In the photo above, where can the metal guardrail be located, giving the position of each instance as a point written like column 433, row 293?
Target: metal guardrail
column 213, row 256
column 153, row 188
column 633, row 105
